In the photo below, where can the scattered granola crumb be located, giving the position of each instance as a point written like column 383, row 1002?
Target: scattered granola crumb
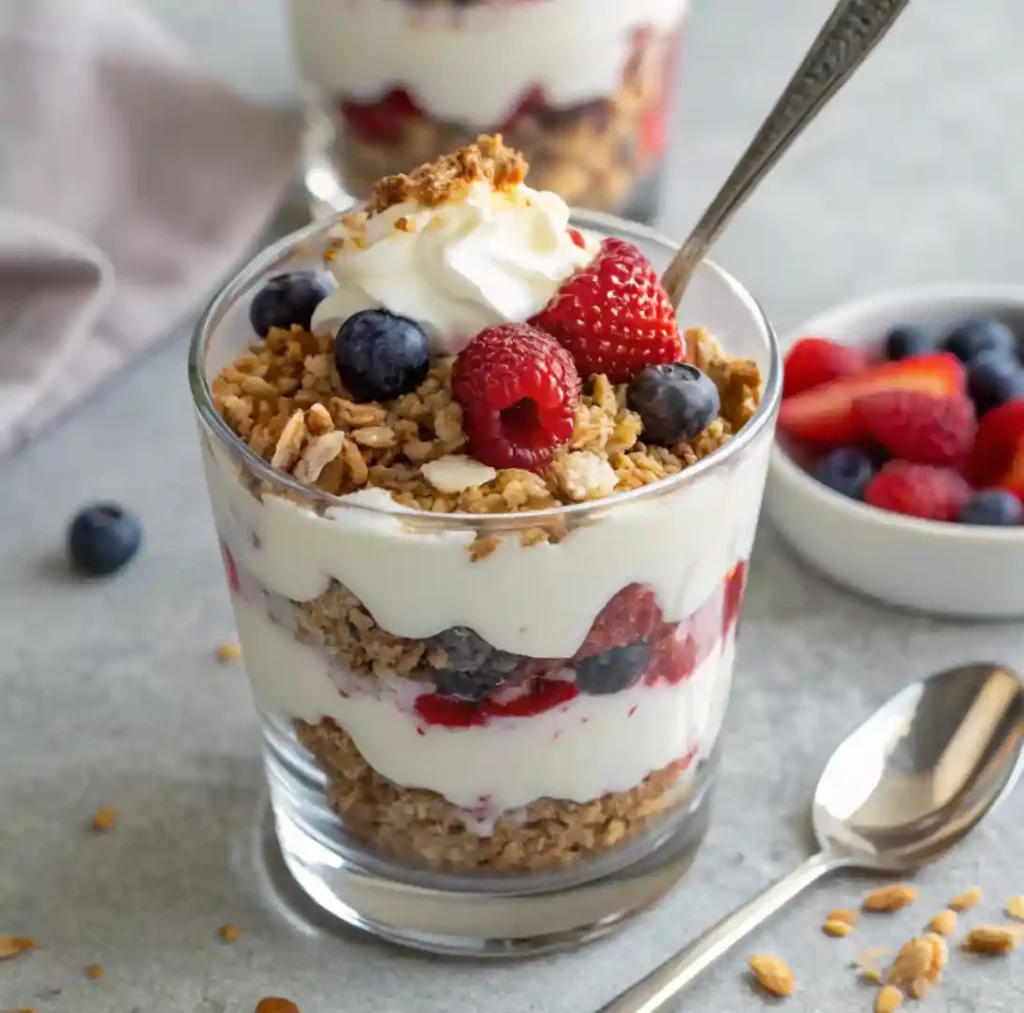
column 991, row 940
column 913, row 961
column 104, row 819
column 890, row 898
column 772, row 974
column 836, row 927
column 871, row 975
column 944, row 923
column 966, row 900
column 919, row 988
column 1015, row 908
column 15, row 946
column 94, row 972
column 843, row 914
column 228, row 933
column 888, row 1000
column 228, row 652
column 274, row 1005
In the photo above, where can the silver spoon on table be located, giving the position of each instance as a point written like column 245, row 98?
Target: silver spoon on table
column 905, row 787
column 852, row 31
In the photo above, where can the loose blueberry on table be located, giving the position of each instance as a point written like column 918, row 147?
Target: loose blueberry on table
column 102, row 538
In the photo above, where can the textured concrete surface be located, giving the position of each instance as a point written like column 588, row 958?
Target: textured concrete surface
column 109, row 693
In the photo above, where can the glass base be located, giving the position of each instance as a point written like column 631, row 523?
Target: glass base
column 485, row 915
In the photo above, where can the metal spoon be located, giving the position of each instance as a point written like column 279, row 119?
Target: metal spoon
column 899, row 792
column 851, row 32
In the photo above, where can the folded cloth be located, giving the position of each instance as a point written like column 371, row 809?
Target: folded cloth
column 129, row 185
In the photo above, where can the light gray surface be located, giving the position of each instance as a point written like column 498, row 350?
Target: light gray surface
column 109, row 694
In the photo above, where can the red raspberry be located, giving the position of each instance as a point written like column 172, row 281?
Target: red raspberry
column 675, row 658
column 382, row 121
column 613, row 315
column 632, row 614
column 919, row 490
column 518, row 389
column 811, row 362
column 919, row 427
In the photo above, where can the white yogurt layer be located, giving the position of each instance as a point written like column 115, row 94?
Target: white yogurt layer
column 577, row 752
column 417, row 579
column 475, row 66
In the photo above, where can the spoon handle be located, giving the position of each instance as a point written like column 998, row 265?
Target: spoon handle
column 854, row 28
column 668, row 979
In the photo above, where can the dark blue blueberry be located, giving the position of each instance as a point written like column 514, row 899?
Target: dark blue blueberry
column 613, row 670
column 994, row 378
column 102, row 538
column 994, row 507
column 846, row 470
column 287, row 299
column 904, row 342
column 380, row 355
column 473, row 668
column 984, row 334
column 675, row 402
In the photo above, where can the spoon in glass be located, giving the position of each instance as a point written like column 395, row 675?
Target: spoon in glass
column 904, row 788
column 852, row 31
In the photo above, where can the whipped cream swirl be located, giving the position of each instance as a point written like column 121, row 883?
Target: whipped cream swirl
column 495, row 256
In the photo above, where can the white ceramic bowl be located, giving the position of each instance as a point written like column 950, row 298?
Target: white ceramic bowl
column 950, row 569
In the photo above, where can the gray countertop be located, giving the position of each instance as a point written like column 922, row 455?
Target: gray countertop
column 109, row 693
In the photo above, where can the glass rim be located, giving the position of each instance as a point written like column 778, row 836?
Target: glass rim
column 284, row 248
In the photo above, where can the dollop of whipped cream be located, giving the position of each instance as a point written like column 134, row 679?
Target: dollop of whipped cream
column 491, row 257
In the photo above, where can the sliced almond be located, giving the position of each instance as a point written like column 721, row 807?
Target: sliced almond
column 990, row 939
column 944, row 923
column 772, row 974
column 843, row 914
column 890, row 898
column 835, row 927
column 919, row 988
column 1015, row 908
column 913, row 961
column 966, row 900
column 14, row 946
column 940, row 955
column 888, row 1000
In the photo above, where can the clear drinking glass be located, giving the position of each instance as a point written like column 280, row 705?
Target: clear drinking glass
column 581, row 87
column 514, row 825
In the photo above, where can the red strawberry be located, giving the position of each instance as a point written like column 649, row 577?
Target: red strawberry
column 545, row 696
column 518, row 389
column 735, row 585
column 440, row 710
column 825, row 415
column 919, row 427
column 814, row 361
column 918, row 490
column 632, row 614
column 675, row 658
column 997, row 459
column 613, row 315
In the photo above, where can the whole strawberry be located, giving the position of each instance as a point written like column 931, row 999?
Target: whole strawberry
column 918, row 490
column 613, row 315
column 519, row 390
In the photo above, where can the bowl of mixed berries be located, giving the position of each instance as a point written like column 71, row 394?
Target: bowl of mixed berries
column 898, row 469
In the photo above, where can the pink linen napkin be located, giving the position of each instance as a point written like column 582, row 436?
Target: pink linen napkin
column 130, row 184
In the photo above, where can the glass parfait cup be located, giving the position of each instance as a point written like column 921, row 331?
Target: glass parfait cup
column 407, row 804
column 581, row 87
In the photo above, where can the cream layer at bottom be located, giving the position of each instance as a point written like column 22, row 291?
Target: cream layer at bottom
column 577, row 751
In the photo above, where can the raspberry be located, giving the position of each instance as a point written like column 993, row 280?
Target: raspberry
column 918, row 490
column 518, row 389
column 918, row 427
column 632, row 614
column 382, row 121
column 613, row 315
column 676, row 656
column 814, row 361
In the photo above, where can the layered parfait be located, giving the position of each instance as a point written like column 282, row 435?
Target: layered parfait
column 581, row 86
column 476, row 586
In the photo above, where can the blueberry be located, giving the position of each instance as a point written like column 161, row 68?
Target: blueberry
column 613, row 670
column 474, row 668
column 994, row 378
column 675, row 402
column 993, row 507
column 380, row 355
column 846, row 470
column 984, row 334
column 102, row 538
column 904, row 342
column 287, row 299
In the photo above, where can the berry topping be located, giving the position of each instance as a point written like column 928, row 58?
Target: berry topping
column 918, row 490
column 675, row 402
column 905, row 342
column 287, row 299
column 613, row 315
column 825, row 415
column 632, row 614
column 102, row 538
column 997, row 458
column 474, row 668
column 846, row 470
column 674, row 658
column 518, row 389
column 613, row 670
column 982, row 335
column 382, row 121
column 918, row 427
column 994, row 507
column 380, row 355
column 814, row 361
column 993, row 378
